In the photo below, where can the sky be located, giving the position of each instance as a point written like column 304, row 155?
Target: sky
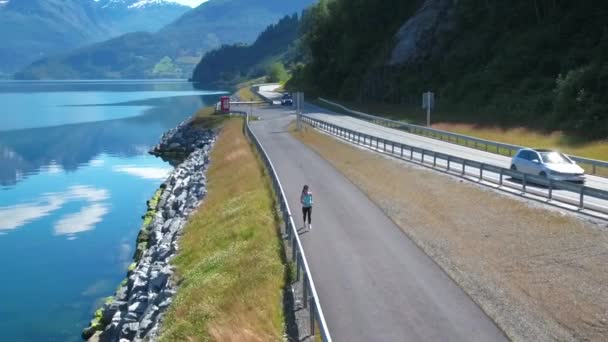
column 191, row 3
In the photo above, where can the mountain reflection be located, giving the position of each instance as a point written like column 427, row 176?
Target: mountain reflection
column 25, row 152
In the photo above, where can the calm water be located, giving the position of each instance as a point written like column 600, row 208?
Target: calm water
column 74, row 179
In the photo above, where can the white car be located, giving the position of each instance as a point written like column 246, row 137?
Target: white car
column 549, row 164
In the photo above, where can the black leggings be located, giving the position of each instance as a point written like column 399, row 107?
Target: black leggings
column 307, row 211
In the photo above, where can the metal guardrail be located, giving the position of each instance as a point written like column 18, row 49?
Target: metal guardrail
column 298, row 256
column 461, row 167
column 480, row 144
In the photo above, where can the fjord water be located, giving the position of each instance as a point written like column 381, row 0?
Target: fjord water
column 74, row 179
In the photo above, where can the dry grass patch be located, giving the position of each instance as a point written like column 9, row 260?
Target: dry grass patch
column 246, row 94
column 516, row 136
column 539, row 274
column 229, row 264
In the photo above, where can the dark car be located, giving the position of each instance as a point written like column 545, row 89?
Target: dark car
column 287, row 100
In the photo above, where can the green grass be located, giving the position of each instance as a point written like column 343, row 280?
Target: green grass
column 230, row 269
column 518, row 135
column 206, row 118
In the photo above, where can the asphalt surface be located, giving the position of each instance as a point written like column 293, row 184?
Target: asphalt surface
column 451, row 149
column 374, row 284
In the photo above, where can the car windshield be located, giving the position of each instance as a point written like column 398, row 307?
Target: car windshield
column 554, row 158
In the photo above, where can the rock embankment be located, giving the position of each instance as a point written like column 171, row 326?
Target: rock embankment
column 178, row 143
column 136, row 310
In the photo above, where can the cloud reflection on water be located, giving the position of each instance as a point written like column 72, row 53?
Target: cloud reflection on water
column 17, row 216
column 82, row 221
column 144, row 172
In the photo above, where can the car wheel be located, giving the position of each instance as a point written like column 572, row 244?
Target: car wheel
column 513, row 167
column 543, row 174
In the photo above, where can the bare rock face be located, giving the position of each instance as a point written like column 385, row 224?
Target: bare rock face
column 423, row 35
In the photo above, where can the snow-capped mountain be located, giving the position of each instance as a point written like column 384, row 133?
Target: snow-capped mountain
column 136, row 4
column 139, row 15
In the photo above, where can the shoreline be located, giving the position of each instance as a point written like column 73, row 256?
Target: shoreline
column 136, row 309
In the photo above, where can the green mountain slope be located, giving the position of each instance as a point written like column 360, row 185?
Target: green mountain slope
column 540, row 64
column 30, row 29
column 33, row 29
column 232, row 64
column 184, row 41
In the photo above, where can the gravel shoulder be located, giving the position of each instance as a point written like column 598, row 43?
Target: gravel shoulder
column 539, row 274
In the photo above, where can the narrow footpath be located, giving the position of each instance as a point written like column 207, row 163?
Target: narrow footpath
column 373, row 282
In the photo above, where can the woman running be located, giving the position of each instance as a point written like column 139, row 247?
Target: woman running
column 306, row 200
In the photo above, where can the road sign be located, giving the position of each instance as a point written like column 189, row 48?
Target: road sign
column 428, row 100
column 428, row 103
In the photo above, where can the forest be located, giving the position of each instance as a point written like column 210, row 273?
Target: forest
column 540, row 64
column 231, row 64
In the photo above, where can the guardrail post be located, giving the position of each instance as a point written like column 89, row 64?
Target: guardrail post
column 525, row 179
column 305, row 291
column 377, row 143
column 434, row 159
column 401, row 150
column 411, row 152
column 294, row 247
column 581, row 205
column 500, row 178
column 481, row 172
column 422, row 158
column 449, row 163
column 298, row 265
column 392, row 147
column 312, row 316
column 464, row 165
column 550, row 189
column 287, row 230
column 594, row 170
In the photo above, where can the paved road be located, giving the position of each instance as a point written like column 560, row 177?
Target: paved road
column 374, row 284
column 448, row 148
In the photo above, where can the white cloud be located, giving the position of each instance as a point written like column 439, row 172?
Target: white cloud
column 54, row 168
column 160, row 173
column 82, row 221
